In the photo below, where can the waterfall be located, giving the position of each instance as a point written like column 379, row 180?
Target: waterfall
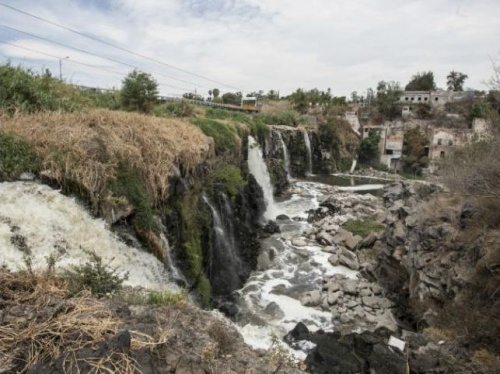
column 224, row 258
column 286, row 155
column 307, row 141
column 259, row 170
column 175, row 274
column 38, row 221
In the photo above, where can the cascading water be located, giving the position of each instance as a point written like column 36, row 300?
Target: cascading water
column 286, row 155
column 38, row 221
column 259, row 170
column 224, row 258
column 175, row 274
column 307, row 141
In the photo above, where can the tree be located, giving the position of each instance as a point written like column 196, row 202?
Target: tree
column 388, row 95
column 216, row 93
column 232, row 98
column 423, row 81
column 192, row 96
column 369, row 152
column 414, row 150
column 455, row 81
column 139, row 91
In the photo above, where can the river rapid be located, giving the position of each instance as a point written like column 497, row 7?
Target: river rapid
column 291, row 264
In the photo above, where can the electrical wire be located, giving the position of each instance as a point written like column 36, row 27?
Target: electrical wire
column 116, row 46
column 88, row 65
column 95, row 54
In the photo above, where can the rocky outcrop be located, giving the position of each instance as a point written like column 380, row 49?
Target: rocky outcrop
column 332, row 352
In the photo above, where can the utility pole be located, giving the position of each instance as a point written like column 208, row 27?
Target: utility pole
column 60, row 68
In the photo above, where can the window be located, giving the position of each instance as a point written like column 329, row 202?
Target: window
column 426, row 98
column 406, row 98
column 441, row 155
column 440, row 141
column 412, row 98
column 450, row 142
column 389, row 152
column 436, row 99
column 419, row 98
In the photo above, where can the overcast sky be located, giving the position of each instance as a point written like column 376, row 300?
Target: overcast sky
column 250, row 45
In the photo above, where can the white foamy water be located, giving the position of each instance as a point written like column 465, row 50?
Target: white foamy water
column 307, row 141
column 270, row 299
column 259, row 170
column 286, row 155
column 52, row 223
column 361, row 187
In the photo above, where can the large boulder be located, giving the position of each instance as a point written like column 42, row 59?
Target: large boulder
column 352, row 353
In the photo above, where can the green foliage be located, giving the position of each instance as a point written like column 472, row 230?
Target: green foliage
column 16, row 156
column 94, row 276
column 423, row 81
column 285, row 118
column 414, row 151
column 129, row 184
column 158, row 298
column 388, row 95
column 369, row 152
column 193, row 221
column 232, row 98
column 217, row 113
column 229, row 177
column 224, row 135
column 139, row 91
column 25, row 91
column 363, row 228
column 455, row 80
column 179, row 109
column 302, row 100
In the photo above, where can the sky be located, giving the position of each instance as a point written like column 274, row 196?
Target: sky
column 251, row 45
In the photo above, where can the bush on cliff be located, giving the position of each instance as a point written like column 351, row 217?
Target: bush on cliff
column 16, row 156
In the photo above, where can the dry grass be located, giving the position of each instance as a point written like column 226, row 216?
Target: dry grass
column 441, row 208
column 62, row 328
column 486, row 361
column 85, row 148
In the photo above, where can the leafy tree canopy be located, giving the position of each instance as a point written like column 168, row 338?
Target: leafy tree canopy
column 232, row 98
column 368, row 152
column 423, row 81
column 139, row 91
column 455, row 80
column 388, row 95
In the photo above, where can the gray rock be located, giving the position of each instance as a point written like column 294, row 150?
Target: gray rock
column 334, row 259
column 346, row 318
column 273, row 310
column 371, row 301
column 302, row 252
column 312, row 298
column 329, row 249
column 368, row 241
column 348, row 259
column 333, row 297
column 325, row 238
column 387, row 321
column 377, row 290
column 333, row 285
column 298, row 242
column 365, row 292
column 350, row 286
column 352, row 304
column 263, row 261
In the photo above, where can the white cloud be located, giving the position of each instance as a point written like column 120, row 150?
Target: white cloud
column 265, row 44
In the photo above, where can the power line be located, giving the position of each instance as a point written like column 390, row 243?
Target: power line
column 116, row 46
column 85, row 64
column 95, row 54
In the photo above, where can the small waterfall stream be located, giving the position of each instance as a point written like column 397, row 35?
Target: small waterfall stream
column 286, row 155
column 307, row 141
column 224, row 257
column 259, row 170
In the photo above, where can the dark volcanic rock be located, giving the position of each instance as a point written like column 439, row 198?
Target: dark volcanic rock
column 348, row 354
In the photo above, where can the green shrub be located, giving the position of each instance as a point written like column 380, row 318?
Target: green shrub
column 177, row 109
column 16, row 156
column 226, row 340
column 216, row 113
column 285, row 118
column 363, row 227
column 224, row 135
column 129, row 183
column 159, row 298
column 94, row 276
column 229, row 177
